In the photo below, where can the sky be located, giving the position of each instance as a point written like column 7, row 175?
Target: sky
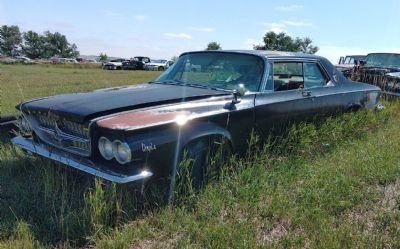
column 163, row 29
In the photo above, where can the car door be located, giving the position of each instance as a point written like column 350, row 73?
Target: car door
column 284, row 100
column 327, row 96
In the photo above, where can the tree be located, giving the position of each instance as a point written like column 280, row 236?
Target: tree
column 284, row 42
column 57, row 45
column 10, row 39
column 213, row 46
column 103, row 57
column 33, row 45
column 305, row 45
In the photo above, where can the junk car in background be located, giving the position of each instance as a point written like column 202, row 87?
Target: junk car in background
column 349, row 61
column 380, row 69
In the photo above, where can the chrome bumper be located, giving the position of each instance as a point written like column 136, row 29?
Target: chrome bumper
column 39, row 149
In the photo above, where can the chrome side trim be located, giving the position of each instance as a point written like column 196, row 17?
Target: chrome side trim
column 28, row 145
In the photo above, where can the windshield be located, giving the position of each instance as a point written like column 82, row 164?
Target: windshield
column 225, row 71
column 383, row 60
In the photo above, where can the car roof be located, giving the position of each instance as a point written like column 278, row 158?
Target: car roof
column 263, row 53
column 383, row 53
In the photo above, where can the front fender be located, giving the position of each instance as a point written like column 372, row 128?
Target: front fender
column 202, row 129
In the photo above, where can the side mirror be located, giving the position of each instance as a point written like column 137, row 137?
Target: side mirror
column 237, row 93
column 362, row 63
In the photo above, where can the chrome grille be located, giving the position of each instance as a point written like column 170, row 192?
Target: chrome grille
column 61, row 133
column 68, row 127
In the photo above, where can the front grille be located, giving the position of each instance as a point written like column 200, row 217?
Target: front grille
column 68, row 127
column 61, row 133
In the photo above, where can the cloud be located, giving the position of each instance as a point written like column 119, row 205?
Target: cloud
column 140, row 17
column 292, row 7
column 202, row 29
column 298, row 24
column 178, row 35
column 250, row 42
column 279, row 27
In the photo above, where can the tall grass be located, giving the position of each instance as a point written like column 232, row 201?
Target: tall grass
column 332, row 184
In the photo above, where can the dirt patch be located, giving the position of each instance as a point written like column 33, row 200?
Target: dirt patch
column 278, row 230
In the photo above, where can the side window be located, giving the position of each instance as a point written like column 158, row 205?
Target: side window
column 313, row 77
column 288, row 76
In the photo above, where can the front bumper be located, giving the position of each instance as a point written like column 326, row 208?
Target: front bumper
column 84, row 165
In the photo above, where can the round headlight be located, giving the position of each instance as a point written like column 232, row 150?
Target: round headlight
column 106, row 148
column 122, row 152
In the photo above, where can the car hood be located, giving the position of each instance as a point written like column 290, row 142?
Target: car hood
column 81, row 107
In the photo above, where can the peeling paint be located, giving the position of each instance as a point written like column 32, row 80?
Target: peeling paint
column 140, row 119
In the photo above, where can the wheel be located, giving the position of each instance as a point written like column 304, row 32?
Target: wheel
column 201, row 160
column 160, row 68
column 192, row 162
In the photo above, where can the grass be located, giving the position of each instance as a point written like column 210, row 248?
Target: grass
column 23, row 82
column 331, row 185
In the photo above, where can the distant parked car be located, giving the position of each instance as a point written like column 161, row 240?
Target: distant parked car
column 141, row 132
column 24, row 59
column 115, row 64
column 143, row 59
column 132, row 65
column 380, row 69
column 64, row 60
column 349, row 61
column 159, row 65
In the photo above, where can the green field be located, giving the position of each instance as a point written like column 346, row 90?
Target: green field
column 331, row 185
column 23, row 82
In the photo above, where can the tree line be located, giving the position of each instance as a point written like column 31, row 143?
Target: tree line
column 279, row 42
column 34, row 45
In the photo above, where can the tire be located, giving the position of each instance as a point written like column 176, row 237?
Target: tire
column 196, row 155
column 201, row 152
column 160, row 68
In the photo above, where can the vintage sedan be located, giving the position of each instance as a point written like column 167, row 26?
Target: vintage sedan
column 134, row 133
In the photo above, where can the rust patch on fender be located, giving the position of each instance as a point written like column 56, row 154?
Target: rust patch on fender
column 141, row 119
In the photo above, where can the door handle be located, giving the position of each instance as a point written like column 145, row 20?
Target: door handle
column 306, row 93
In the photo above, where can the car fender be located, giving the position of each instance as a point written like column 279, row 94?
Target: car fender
column 201, row 130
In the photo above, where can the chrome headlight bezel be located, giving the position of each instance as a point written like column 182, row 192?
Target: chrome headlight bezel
column 105, row 147
column 122, row 152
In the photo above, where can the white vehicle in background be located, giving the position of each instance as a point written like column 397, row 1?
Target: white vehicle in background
column 58, row 60
column 115, row 64
column 158, row 65
column 24, row 59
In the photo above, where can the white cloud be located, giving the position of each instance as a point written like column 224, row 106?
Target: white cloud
column 202, row 29
column 178, row 35
column 140, row 17
column 298, row 24
column 279, row 27
column 250, row 42
column 288, row 7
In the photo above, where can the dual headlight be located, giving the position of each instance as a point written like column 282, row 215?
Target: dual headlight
column 116, row 149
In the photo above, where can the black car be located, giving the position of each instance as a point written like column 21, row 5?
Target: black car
column 380, row 69
column 139, row 132
column 132, row 65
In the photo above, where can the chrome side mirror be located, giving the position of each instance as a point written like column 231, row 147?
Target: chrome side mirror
column 237, row 93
